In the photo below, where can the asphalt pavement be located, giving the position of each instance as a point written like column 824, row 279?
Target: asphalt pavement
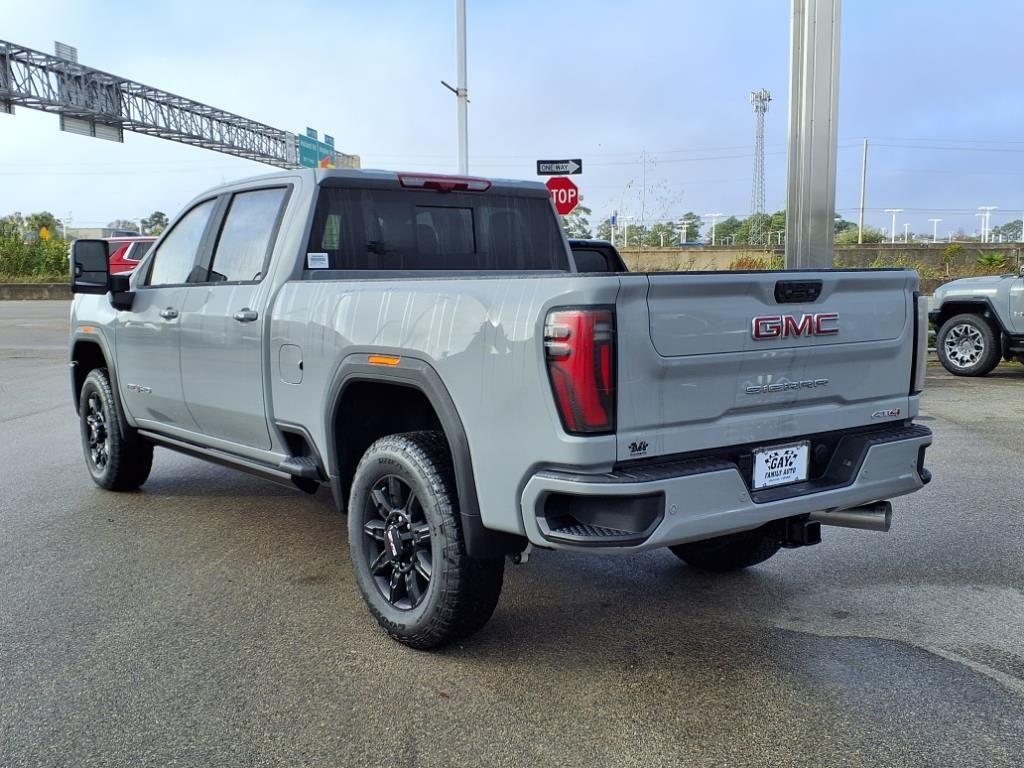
column 212, row 619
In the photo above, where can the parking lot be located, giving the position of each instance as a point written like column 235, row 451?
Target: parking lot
column 212, row 619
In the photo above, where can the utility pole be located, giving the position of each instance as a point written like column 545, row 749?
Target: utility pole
column 935, row 229
column 906, row 232
column 985, row 221
column 863, row 189
column 714, row 220
column 893, row 211
column 686, row 226
column 462, row 91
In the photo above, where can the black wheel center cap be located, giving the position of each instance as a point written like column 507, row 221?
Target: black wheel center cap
column 393, row 541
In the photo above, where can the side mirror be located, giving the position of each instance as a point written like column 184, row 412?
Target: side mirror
column 90, row 266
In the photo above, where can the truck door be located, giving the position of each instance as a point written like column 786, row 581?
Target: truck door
column 148, row 335
column 1017, row 305
column 223, row 322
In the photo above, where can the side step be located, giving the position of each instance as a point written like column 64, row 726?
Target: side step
column 302, row 472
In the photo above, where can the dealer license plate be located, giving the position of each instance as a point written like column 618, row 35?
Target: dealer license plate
column 780, row 465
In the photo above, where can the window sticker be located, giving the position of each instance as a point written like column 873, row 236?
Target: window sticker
column 317, row 261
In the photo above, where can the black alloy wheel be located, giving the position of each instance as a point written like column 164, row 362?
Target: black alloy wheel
column 398, row 542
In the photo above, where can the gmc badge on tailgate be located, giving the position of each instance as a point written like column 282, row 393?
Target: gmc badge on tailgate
column 786, row 326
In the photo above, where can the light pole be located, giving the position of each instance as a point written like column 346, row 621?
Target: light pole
column 906, row 232
column 685, row 226
column 985, row 222
column 982, row 216
column 714, row 220
column 893, row 211
column 461, row 90
column 935, row 229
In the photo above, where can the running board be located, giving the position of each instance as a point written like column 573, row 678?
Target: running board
column 225, row 459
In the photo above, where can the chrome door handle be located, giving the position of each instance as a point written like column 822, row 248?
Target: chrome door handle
column 245, row 315
column 168, row 314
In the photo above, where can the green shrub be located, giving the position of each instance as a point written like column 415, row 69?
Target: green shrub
column 41, row 259
column 992, row 260
column 951, row 251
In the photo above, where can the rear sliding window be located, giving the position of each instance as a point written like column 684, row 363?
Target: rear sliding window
column 423, row 230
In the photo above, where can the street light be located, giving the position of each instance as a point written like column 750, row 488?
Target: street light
column 893, row 211
column 906, row 232
column 982, row 236
column 714, row 220
column 935, row 229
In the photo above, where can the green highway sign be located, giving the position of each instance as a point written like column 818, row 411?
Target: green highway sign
column 314, row 153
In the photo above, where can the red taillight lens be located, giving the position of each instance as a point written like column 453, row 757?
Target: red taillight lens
column 579, row 345
column 443, row 183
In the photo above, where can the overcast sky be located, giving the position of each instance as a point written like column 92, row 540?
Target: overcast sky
column 938, row 81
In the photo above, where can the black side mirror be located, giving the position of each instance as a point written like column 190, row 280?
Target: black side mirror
column 90, row 266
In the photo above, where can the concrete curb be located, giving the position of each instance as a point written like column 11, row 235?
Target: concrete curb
column 26, row 291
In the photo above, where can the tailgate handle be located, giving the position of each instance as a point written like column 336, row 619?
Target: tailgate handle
column 797, row 291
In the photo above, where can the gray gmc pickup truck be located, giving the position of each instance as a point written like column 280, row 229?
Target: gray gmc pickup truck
column 426, row 346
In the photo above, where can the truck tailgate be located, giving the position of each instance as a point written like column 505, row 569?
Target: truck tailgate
column 725, row 359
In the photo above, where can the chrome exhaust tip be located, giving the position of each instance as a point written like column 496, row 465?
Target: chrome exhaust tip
column 870, row 517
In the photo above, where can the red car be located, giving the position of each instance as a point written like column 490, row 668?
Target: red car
column 127, row 252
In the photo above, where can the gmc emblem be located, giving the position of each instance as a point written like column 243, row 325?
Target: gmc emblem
column 785, row 326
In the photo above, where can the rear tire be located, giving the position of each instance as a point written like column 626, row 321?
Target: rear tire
column 408, row 552
column 117, row 458
column 968, row 346
column 731, row 552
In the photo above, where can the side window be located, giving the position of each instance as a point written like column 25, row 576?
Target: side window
column 176, row 255
column 246, row 237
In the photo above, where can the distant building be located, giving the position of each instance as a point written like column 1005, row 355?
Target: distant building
column 91, row 233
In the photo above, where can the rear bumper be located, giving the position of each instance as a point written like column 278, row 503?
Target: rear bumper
column 640, row 507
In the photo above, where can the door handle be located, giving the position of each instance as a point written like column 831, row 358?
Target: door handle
column 168, row 314
column 245, row 315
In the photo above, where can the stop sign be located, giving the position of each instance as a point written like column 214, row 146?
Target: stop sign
column 564, row 194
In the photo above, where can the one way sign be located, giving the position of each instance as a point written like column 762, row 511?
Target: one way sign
column 559, row 167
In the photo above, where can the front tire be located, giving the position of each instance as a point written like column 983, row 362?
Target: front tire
column 967, row 346
column 731, row 552
column 117, row 458
column 405, row 539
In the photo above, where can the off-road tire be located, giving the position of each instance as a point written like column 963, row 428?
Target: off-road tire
column 981, row 333
column 731, row 552
column 462, row 592
column 117, row 458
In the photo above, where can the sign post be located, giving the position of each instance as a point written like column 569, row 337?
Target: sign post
column 564, row 194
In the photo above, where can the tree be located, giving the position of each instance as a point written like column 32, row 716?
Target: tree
column 842, row 225
column 155, row 223
column 723, row 229
column 576, row 224
column 693, row 225
column 849, row 236
column 125, row 224
column 35, row 222
column 661, row 233
column 604, row 230
column 13, row 224
column 1010, row 231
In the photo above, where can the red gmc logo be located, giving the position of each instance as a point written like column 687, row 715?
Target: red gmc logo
column 785, row 326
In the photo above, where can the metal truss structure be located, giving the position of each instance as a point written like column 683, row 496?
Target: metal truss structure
column 757, row 234
column 103, row 105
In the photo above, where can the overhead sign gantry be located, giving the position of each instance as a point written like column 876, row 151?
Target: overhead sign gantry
column 99, row 104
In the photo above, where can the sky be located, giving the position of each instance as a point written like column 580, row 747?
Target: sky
column 653, row 96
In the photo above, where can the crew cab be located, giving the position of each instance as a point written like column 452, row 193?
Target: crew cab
column 428, row 348
column 979, row 321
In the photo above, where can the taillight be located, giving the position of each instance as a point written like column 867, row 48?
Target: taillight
column 920, row 344
column 579, row 346
column 443, row 183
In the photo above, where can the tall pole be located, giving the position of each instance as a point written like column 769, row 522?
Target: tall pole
column 714, row 220
column 986, row 218
column 893, row 211
column 863, row 188
column 935, row 229
column 461, row 90
column 813, row 122
column 906, row 232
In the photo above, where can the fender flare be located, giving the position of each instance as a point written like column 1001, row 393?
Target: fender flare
column 420, row 375
column 100, row 341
